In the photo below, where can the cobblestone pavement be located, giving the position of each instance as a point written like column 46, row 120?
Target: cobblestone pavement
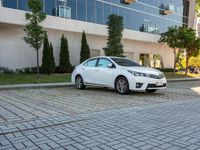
column 66, row 118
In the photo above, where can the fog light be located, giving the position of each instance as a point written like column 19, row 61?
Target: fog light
column 139, row 85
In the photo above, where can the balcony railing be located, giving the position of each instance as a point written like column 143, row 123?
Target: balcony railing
column 149, row 29
column 62, row 11
column 167, row 9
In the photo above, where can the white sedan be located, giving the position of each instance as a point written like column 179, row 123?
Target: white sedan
column 122, row 74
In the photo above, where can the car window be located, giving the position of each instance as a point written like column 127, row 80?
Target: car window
column 103, row 63
column 91, row 63
column 125, row 62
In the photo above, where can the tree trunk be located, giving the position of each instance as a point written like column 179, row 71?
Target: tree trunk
column 187, row 62
column 174, row 60
column 38, row 68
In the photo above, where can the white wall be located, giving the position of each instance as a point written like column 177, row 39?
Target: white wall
column 15, row 53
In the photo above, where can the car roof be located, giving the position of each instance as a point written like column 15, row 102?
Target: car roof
column 106, row 57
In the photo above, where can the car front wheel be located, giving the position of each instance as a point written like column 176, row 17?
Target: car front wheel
column 122, row 86
column 79, row 83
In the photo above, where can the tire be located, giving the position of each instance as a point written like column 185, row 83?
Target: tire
column 79, row 84
column 122, row 86
column 151, row 90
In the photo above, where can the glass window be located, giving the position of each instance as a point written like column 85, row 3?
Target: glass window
column 49, row 6
column 103, row 63
column 81, row 10
column 72, row 5
column 23, row 4
column 107, row 12
column 91, row 11
column 115, row 10
column 99, row 12
column 125, row 62
column 10, row 3
column 122, row 12
column 91, row 63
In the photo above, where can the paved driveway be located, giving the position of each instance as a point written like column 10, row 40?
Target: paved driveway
column 66, row 118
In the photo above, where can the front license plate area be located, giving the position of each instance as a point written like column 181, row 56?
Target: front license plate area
column 159, row 83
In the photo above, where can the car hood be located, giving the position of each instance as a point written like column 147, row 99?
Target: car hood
column 144, row 70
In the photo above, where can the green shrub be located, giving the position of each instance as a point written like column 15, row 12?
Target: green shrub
column 64, row 61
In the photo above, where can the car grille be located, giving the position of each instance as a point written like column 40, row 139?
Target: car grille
column 160, row 76
column 155, row 86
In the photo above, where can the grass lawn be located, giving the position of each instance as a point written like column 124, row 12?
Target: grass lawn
column 32, row 78
column 169, row 75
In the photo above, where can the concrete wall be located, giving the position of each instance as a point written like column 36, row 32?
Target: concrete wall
column 14, row 53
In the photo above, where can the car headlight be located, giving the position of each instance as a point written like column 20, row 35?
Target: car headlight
column 138, row 74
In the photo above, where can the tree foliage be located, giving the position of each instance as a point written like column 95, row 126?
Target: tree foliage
column 34, row 32
column 182, row 38
column 85, row 50
column 46, row 62
column 197, row 7
column 170, row 38
column 190, row 42
column 64, row 61
column 194, row 61
column 52, row 60
column 115, row 29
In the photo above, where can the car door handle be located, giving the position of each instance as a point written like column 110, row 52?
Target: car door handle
column 96, row 70
column 82, row 68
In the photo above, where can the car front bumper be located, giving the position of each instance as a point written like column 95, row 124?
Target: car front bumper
column 143, row 83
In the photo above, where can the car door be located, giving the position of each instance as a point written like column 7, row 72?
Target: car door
column 87, row 71
column 103, row 74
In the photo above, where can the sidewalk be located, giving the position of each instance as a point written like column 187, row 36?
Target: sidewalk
column 69, row 84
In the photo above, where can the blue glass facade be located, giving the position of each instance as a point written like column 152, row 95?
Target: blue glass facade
column 143, row 15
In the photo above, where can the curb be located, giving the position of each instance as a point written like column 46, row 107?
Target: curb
column 26, row 86
column 183, row 79
column 54, row 85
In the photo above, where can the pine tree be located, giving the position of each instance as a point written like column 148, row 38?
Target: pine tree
column 85, row 50
column 46, row 62
column 115, row 29
column 52, row 60
column 64, row 63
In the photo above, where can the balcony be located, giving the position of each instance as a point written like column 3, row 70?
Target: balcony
column 149, row 29
column 166, row 9
column 62, row 11
column 128, row 1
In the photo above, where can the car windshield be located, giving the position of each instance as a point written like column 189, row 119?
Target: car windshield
column 125, row 62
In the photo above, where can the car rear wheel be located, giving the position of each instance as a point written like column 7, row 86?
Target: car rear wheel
column 122, row 86
column 79, row 83
column 151, row 90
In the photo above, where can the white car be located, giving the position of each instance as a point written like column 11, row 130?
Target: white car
column 122, row 74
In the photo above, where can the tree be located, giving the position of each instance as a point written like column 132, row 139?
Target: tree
column 35, row 32
column 197, row 8
column 171, row 39
column 52, row 60
column 190, row 42
column 85, row 50
column 46, row 62
column 64, row 63
column 194, row 61
column 115, row 29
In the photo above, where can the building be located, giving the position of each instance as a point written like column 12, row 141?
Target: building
column 144, row 21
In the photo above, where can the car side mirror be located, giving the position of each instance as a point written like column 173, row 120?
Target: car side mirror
column 110, row 66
